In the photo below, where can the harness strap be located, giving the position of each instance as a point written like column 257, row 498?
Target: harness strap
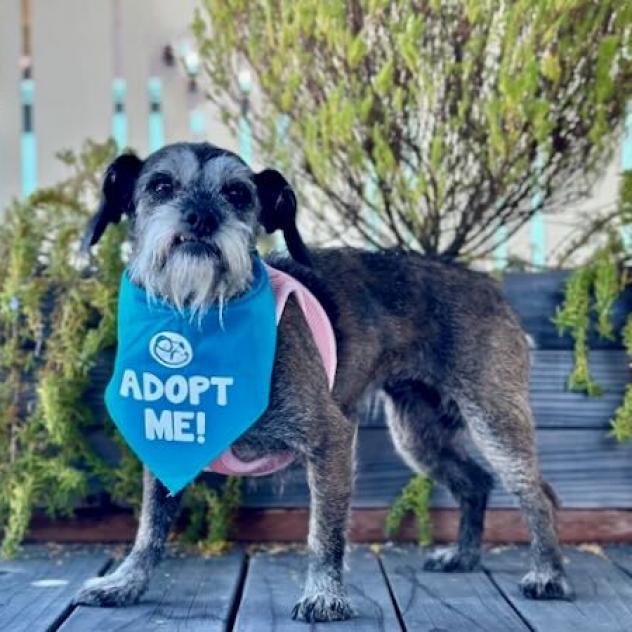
column 283, row 286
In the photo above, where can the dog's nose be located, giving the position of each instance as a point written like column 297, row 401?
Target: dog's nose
column 201, row 221
column 192, row 219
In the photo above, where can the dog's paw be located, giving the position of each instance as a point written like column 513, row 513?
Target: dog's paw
column 546, row 585
column 322, row 606
column 451, row 560
column 111, row 591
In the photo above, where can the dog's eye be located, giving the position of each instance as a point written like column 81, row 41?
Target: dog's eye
column 161, row 185
column 237, row 193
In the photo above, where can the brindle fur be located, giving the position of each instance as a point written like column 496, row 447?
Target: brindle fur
column 447, row 353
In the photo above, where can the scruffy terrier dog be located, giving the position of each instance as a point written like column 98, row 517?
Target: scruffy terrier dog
column 438, row 340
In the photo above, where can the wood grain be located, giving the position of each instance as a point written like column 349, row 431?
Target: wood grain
column 459, row 602
column 37, row 587
column 367, row 525
column 386, row 584
column 501, row 526
column 603, row 600
column 274, row 583
column 535, row 298
column 587, row 468
column 621, row 556
column 554, row 406
column 185, row 593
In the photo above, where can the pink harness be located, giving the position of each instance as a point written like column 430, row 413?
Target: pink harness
column 283, row 285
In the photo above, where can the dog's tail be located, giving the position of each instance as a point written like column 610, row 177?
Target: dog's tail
column 549, row 492
column 278, row 212
column 296, row 246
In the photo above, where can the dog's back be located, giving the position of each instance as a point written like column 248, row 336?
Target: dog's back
column 401, row 312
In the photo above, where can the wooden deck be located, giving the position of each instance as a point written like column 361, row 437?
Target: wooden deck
column 254, row 591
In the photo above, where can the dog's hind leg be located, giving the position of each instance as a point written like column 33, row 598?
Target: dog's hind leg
column 330, row 464
column 129, row 581
column 503, row 430
column 424, row 435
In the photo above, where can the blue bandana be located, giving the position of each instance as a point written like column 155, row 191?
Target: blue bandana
column 182, row 391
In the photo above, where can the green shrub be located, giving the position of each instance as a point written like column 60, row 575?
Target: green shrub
column 415, row 499
column 211, row 515
column 57, row 317
column 590, row 292
column 425, row 124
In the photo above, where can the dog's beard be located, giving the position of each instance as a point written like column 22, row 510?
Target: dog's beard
column 191, row 281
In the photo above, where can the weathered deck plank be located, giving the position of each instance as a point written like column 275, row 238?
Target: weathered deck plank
column 274, row 584
column 621, row 555
column 194, row 594
column 186, row 593
column 460, row 602
column 603, row 593
column 37, row 587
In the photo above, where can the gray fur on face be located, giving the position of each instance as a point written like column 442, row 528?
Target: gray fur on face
column 187, row 279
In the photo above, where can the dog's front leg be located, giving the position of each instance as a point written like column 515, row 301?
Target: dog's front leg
column 129, row 581
column 330, row 477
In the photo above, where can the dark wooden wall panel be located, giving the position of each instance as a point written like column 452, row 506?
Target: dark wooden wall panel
column 535, row 298
column 586, row 467
column 554, row 406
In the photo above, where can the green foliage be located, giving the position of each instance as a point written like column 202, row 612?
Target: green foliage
column 596, row 286
column 414, row 498
column 621, row 424
column 455, row 113
column 54, row 321
column 574, row 316
column 57, row 316
column 624, row 208
column 211, row 514
column 607, row 286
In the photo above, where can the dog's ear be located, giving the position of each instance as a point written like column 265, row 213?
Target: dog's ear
column 278, row 212
column 117, row 195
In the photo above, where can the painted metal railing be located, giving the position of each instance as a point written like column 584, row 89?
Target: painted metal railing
column 28, row 140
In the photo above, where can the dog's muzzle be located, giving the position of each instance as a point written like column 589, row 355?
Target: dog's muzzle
column 193, row 245
column 196, row 240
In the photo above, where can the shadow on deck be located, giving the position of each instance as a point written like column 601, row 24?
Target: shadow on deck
column 255, row 592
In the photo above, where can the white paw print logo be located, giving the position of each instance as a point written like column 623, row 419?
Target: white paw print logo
column 171, row 349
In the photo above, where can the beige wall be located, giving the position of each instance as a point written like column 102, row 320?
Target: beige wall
column 72, row 68
column 603, row 196
column 9, row 100
column 74, row 64
column 566, row 223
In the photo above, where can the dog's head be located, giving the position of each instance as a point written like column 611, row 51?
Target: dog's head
column 196, row 210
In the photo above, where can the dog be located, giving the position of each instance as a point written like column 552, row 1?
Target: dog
column 436, row 339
